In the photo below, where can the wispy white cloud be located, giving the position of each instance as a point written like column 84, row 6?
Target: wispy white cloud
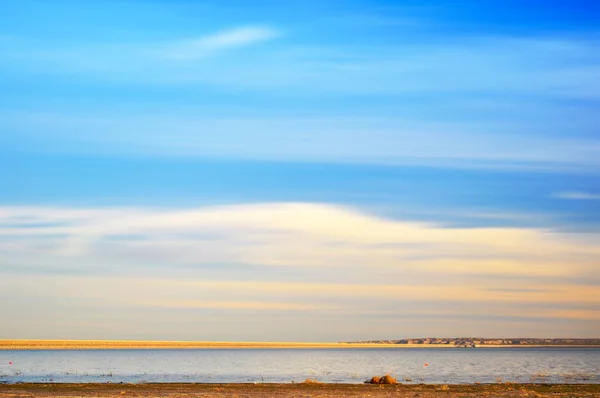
column 227, row 39
column 576, row 195
column 291, row 235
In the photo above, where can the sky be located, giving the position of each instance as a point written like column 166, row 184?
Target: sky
column 299, row 171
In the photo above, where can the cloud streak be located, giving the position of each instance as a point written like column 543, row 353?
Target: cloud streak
column 220, row 41
column 374, row 140
column 574, row 195
column 279, row 234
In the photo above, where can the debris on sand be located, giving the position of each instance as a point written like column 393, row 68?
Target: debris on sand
column 387, row 379
column 311, row 381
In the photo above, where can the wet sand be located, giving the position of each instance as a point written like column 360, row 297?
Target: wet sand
column 296, row 390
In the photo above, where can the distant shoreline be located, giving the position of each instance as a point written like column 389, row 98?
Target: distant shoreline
column 126, row 344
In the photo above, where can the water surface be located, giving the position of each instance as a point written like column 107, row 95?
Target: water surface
column 348, row 365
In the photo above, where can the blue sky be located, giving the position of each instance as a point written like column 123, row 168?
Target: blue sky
column 451, row 148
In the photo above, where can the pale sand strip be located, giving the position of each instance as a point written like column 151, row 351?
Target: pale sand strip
column 127, row 344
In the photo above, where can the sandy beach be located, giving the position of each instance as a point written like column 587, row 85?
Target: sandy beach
column 296, row 390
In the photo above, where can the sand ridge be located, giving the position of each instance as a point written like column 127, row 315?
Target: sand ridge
column 296, row 390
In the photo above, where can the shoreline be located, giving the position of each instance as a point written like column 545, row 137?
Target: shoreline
column 296, row 390
column 127, row 344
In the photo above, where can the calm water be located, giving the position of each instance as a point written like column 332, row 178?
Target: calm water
column 547, row 365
